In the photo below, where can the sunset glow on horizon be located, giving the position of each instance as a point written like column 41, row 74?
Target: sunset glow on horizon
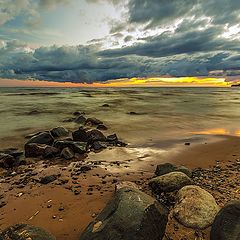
column 125, row 82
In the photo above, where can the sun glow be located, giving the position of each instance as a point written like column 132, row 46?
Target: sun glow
column 126, row 82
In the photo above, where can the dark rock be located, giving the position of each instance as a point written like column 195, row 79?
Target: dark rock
column 77, row 113
column 85, row 168
column 226, row 225
column 59, row 132
column 7, row 161
column 102, row 127
column 80, row 135
column 168, row 167
column 67, row 153
column 130, row 215
column 105, row 105
column 13, row 152
column 25, row 232
column 81, row 120
column 48, row 179
column 96, row 135
column 132, row 113
column 76, row 147
column 38, row 150
column 99, row 145
column 187, row 143
column 32, row 135
column 169, row 182
column 112, row 138
column 93, row 121
column 42, row 138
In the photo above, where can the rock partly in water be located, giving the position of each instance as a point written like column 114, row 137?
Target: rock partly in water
column 80, row 135
column 80, row 119
column 96, row 135
column 102, row 127
column 7, row 161
column 130, row 215
column 38, row 150
column 93, row 121
column 168, row 167
column 25, row 232
column 48, row 179
column 169, row 182
column 42, row 138
column 97, row 145
column 59, row 132
column 195, row 207
column 226, row 225
column 67, row 153
column 76, row 147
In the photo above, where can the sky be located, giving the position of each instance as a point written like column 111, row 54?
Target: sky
column 119, row 42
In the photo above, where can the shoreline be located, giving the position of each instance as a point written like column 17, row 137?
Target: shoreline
column 96, row 189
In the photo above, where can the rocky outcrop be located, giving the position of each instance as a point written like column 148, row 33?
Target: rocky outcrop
column 226, row 225
column 195, row 207
column 169, row 182
column 130, row 215
column 25, row 232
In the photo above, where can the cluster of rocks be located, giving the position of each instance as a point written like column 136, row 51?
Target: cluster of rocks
column 61, row 143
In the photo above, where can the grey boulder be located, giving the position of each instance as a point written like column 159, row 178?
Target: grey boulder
column 59, row 132
column 42, row 138
column 130, row 215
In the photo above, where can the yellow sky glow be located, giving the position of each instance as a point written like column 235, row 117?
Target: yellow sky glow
column 125, row 82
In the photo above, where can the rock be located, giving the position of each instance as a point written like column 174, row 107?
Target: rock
column 81, row 119
column 130, row 215
column 123, row 184
column 38, row 150
column 25, row 232
column 13, row 152
column 105, row 105
column 195, row 207
column 102, row 127
column 59, row 132
column 80, row 135
column 7, row 161
column 99, row 145
column 77, row 113
column 226, row 225
column 93, row 121
column 112, row 138
column 67, row 153
column 48, row 179
column 169, row 182
column 42, row 138
column 96, row 135
column 76, row 147
column 168, row 167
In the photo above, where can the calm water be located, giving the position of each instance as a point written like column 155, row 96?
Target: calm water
column 165, row 115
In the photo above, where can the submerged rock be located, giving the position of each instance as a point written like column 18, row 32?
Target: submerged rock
column 42, row 138
column 226, row 225
column 6, row 160
column 168, row 167
column 38, row 150
column 25, row 232
column 169, row 182
column 76, row 147
column 195, row 207
column 130, row 215
column 67, row 153
column 59, row 132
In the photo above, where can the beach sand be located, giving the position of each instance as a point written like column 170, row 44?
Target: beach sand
column 66, row 208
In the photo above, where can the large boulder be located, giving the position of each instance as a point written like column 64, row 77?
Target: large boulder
column 6, row 160
column 25, row 232
column 168, row 167
column 130, row 215
column 40, row 150
column 76, row 147
column 169, row 182
column 195, row 207
column 80, row 135
column 226, row 225
column 59, row 132
column 42, row 138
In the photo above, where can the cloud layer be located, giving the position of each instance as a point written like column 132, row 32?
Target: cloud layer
column 160, row 37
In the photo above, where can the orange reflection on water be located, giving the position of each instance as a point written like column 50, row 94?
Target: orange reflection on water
column 218, row 131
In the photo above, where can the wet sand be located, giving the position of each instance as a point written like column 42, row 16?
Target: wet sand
column 69, row 213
